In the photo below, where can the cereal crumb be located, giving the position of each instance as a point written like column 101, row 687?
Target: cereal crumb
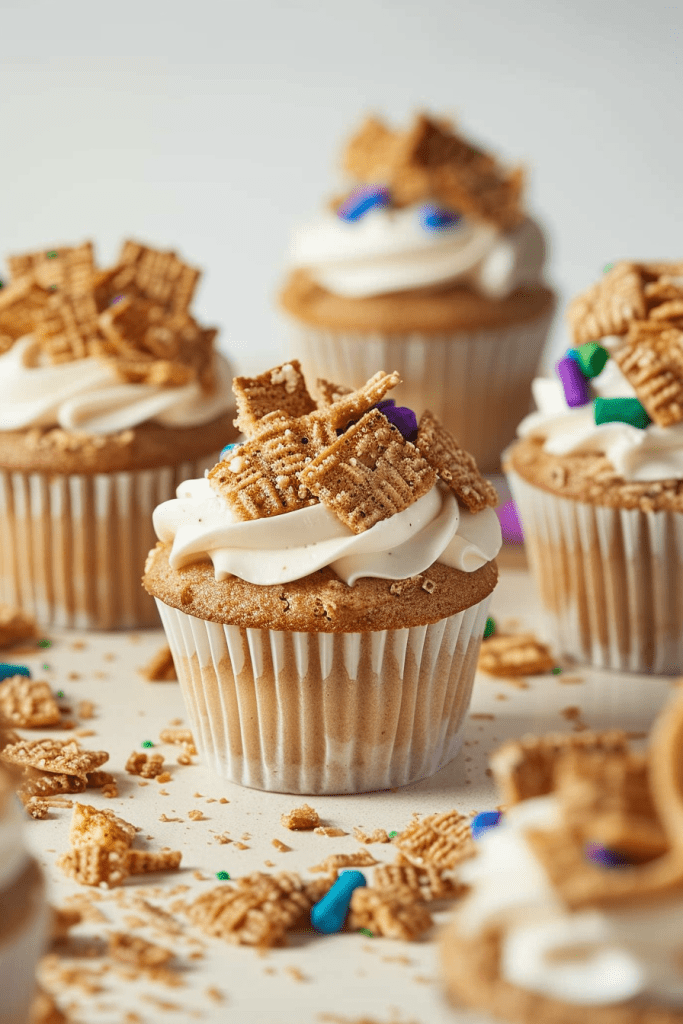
column 300, row 818
column 282, row 847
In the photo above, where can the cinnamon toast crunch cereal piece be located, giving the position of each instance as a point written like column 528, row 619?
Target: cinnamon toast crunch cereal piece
column 148, row 766
column 378, row 836
column 15, row 626
column 44, row 784
column 328, row 392
column 93, row 827
column 521, row 655
column 609, row 306
column 442, row 840
column 370, row 153
column 54, row 756
column 95, row 865
column 67, row 326
column 256, row 910
column 358, row 859
column 525, row 768
column 393, row 913
column 282, row 390
column 426, row 883
column 652, row 361
column 455, row 466
column 353, row 404
column 69, row 268
column 28, row 703
column 132, row 949
column 182, row 736
column 263, row 478
column 143, row 862
column 369, row 473
column 300, row 818
column 21, row 303
column 161, row 667
column 160, row 276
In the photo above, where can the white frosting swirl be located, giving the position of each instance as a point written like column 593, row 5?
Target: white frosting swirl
column 655, row 453
column 85, row 395
column 590, row 957
column 13, row 855
column 388, row 250
column 199, row 524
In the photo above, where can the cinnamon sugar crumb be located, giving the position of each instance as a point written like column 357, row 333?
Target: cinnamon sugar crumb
column 282, row 847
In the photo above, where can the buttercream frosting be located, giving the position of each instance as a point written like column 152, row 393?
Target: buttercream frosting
column 389, row 250
column 199, row 524
column 590, row 957
column 655, row 453
column 86, row 395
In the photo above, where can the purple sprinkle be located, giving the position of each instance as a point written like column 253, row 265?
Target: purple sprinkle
column 435, row 218
column 510, row 524
column 401, row 417
column 600, row 854
column 575, row 385
column 361, row 200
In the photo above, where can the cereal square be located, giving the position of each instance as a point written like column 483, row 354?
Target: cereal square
column 282, row 390
column 455, row 466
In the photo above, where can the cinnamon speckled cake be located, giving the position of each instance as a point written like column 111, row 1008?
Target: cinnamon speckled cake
column 324, row 589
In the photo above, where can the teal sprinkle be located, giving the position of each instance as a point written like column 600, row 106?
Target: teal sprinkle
column 620, row 410
column 556, row 671
column 591, row 358
column 365, row 931
column 147, row 743
column 222, row 876
column 607, row 266
column 489, row 628
column 45, row 643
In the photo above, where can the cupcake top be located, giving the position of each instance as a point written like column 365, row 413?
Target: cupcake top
column 350, row 483
column 583, row 878
column 425, row 208
column 99, row 352
column 615, row 410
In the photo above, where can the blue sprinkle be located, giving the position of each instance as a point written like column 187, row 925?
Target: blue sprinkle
column 362, row 200
column 7, row 671
column 329, row 914
column 435, row 218
column 599, row 854
column 484, row 821
column 229, row 448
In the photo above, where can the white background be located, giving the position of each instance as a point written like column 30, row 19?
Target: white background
column 213, row 128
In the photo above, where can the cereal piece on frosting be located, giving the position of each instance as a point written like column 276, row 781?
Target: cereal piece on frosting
column 370, row 473
column 455, row 466
column 353, row 404
column 69, row 268
column 160, row 276
column 608, row 306
column 652, row 361
column 263, row 478
column 282, row 389
column 328, row 392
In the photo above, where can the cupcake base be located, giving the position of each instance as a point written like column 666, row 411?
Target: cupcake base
column 314, row 713
column 610, row 579
column 471, row 967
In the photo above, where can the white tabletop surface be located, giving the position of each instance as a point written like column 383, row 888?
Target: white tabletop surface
column 349, row 975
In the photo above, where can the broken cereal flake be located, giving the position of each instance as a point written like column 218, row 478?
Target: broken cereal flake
column 131, row 949
column 282, row 847
column 378, row 836
column 181, row 736
column 145, row 765
column 28, row 703
column 54, row 756
column 279, row 390
column 15, row 626
column 456, row 467
column 95, row 865
column 160, row 668
column 300, row 818
column 360, row 859
column 440, row 839
column 514, row 656
column 393, row 913
column 330, row 831
column 91, row 826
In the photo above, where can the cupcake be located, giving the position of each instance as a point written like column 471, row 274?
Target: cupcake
column 25, row 918
column 429, row 263
column 111, row 394
column 324, row 589
column 575, row 907
column 597, row 475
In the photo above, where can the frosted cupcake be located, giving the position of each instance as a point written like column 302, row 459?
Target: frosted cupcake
column 428, row 263
column 597, row 475
column 324, row 590
column 111, row 394
column 575, row 907
column 24, row 922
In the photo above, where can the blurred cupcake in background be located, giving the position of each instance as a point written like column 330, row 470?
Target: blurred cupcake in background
column 428, row 263
column 111, row 394
column 597, row 475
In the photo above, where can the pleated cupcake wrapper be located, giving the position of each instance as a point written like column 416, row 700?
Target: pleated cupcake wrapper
column 610, row 580
column 326, row 712
column 73, row 547
column 478, row 383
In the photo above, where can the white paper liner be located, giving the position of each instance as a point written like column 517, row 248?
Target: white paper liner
column 610, row 580
column 326, row 712
column 73, row 547
column 478, row 383
column 19, row 957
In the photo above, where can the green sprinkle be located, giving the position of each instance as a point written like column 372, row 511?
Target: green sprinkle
column 556, row 671
column 51, row 255
column 489, row 628
column 591, row 358
column 60, row 693
column 392, row 834
column 147, row 743
column 607, row 266
column 45, row 643
column 46, row 667
column 222, row 876
column 365, row 931
column 620, row 410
